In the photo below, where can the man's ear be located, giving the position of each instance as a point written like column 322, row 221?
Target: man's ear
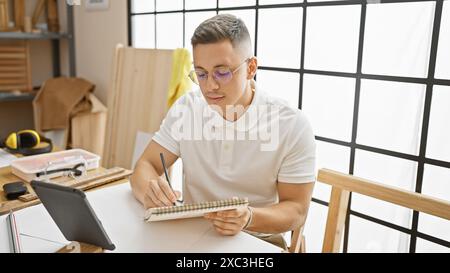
column 252, row 68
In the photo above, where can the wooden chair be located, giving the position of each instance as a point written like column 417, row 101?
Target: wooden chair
column 342, row 184
column 297, row 241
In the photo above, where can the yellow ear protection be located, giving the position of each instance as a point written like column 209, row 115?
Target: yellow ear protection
column 27, row 142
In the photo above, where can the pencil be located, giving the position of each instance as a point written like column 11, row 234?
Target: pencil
column 163, row 161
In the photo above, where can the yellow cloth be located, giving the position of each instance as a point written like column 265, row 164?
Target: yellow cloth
column 180, row 82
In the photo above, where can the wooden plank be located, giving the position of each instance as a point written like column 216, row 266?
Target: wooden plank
column 19, row 14
column 93, row 179
column 88, row 129
column 112, row 104
column 20, row 75
column 4, row 15
column 140, row 76
column 11, row 81
column 28, row 67
column 52, row 16
column 13, row 87
column 416, row 201
column 13, row 55
column 13, row 49
column 8, row 69
column 40, row 5
column 297, row 241
column 16, row 205
column 337, row 211
column 12, row 62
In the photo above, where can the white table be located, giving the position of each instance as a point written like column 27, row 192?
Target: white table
column 122, row 218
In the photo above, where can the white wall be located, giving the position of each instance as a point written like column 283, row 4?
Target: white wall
column 96, row 35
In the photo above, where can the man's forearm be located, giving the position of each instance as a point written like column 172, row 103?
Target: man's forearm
column 143, row 173
column 282, row 217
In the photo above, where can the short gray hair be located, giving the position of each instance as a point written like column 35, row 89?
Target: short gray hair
column 222, row 27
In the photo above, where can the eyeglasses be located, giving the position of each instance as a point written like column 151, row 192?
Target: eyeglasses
column 221, row 74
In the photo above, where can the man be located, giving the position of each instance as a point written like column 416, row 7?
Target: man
column 278, row 178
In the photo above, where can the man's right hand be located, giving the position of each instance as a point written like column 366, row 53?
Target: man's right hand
column 159, row 194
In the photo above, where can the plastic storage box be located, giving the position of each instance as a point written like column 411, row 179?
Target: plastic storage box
column 36, row 167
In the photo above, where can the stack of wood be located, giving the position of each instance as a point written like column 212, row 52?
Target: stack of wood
column 4, row 15
column 27, row 24
column 15, row 67
column 52, row 14
column 137, row 100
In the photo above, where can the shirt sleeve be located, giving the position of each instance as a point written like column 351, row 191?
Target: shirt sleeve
column 168, row 134
column 299, row 162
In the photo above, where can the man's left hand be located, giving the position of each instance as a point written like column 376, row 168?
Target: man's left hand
column 229, row 222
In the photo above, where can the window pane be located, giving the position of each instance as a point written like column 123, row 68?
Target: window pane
column 381, row 210
column 436, row 182
column 328, row 101
column 385, row 169
column 438, row 146
column 142, row 6
column 332, row 46
column 382, row 123
column 279, row 37
column 398, row 38
column 236, row 3
column 315, row 227
column 192, row 21
column 434, row 226
column 165, row 5
column 424, row 246
column 269, row 2
column 169, row 30
column 366, row 236
column 143, row 31
column 284, row 85
column 248, row 16
column 330, row 156
column 200, row 4
column 443, row 54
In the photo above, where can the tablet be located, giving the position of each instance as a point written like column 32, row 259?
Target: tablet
column 73, row 214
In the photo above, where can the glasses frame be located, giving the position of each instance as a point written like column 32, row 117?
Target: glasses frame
column 193, row 74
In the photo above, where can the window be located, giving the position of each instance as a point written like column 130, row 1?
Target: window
column 336, row 94
column 443, row 57
column 279, row 36
column 283, row 85
column 374, row 81
column 382, row 123
column 438, row 146
column 398, row 47
column 332, row 46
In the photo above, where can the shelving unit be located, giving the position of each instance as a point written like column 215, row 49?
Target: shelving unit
column 16, row 110
column 55, row 39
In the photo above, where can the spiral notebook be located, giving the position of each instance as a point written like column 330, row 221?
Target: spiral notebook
column 193, row 210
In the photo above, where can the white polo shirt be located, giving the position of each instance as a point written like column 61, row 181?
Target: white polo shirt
column 271, row 142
